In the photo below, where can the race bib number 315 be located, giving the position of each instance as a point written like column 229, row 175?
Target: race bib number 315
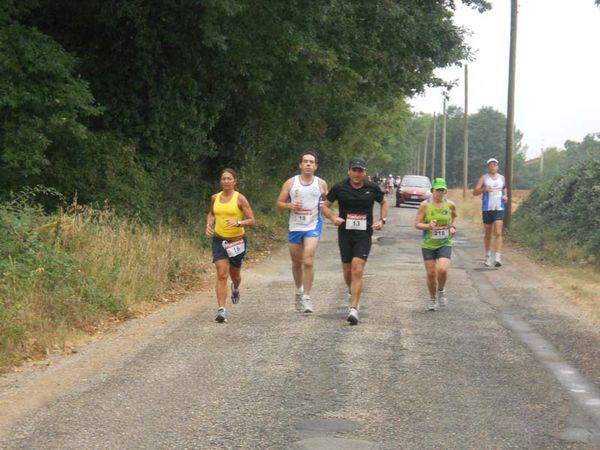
column 356, row 222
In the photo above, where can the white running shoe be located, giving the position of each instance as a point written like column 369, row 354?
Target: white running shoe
column 353, row 316
column 220, row 317
column 498, row 262
column 433, row 305
column 298, row 301
column 442, row 299
column 488, row 261
column 307, row 306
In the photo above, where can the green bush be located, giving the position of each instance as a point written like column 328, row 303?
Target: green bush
column 560, row 217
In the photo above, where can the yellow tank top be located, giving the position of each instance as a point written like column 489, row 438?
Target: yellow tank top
column 229, row 210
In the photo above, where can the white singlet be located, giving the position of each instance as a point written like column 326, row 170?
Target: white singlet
column 307, row 218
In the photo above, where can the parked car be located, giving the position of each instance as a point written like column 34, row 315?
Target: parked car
column 413, row 190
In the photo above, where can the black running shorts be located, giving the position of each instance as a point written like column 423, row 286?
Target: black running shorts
column 354, row 244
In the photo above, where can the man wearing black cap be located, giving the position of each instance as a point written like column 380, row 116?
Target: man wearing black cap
column 356, row 197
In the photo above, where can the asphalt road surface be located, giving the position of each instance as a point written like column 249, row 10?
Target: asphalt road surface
column 507, row 364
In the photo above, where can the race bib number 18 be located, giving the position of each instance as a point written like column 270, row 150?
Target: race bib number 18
column 302, row 216
column 356, row 222
column 234, row 248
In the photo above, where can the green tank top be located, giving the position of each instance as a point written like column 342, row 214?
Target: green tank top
column 440, row 237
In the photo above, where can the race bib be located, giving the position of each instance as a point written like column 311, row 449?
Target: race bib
column 356, row 222
column 234, row 248
column 496, row 194
column 302, row 216
column 441, row 233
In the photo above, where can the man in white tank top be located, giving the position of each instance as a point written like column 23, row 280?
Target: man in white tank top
column 301, row 196
column 493, row 188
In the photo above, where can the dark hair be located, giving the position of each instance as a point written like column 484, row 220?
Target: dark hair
column 231, row 171
column 311, row 153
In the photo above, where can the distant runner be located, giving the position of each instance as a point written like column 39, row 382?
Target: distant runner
column 493, row 188
column 436, row 218
column 301, row 196
column 356, row 197
column 229, row 214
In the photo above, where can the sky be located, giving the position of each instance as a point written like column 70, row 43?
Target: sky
column 557, row 93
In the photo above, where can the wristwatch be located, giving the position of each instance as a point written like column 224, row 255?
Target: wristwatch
column 238, row 224
column 384, row 220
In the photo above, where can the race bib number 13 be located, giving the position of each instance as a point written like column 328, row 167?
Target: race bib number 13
column 356, row 222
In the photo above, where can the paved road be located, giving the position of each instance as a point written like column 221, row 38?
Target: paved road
column 506, row 365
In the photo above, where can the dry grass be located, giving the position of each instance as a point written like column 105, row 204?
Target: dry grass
column 580, row 285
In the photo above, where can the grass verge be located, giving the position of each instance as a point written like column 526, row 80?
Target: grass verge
column 67, row 276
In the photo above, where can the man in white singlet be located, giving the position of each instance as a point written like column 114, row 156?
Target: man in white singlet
column 301, row 196
column 493, row 188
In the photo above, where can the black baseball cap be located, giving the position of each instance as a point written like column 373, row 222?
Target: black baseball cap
column 358, row 163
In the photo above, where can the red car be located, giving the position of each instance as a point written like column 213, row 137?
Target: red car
column 413, row 190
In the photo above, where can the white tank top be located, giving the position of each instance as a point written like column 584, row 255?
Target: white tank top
column 493, row 201
column 308, row 217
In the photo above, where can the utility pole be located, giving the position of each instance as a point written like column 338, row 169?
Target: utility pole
column 510, row 115
column 433, row 148
column 466, row 137
column 424, row 172
column 444, row 137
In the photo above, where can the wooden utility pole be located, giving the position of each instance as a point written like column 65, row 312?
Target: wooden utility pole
column 433, row 148
column 424, row 168
column 466, row 137
column 510, row 115
column 444, row 138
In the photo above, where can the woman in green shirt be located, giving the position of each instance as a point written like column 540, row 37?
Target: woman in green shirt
column 436, row 218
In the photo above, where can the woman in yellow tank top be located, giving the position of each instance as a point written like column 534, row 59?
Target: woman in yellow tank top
column 230, row 213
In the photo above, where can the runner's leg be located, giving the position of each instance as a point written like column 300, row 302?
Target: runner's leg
column 487, row 237
column 441, row 269
column 430, row 267
column 236, row 276
column 308, row 256
column 296, row 251
column 498, row 224
column 222, row 266
column 357, row 270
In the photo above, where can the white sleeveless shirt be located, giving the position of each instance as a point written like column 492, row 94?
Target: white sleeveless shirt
column 493, row 201
column 308, row 217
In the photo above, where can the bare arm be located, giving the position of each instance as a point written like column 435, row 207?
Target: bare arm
column 454, row 215
column 210, row 218
column 244, row 205
column 478, row 190
column 282, row 202
column 419, row 224
column 383, row 212
column 326, row 207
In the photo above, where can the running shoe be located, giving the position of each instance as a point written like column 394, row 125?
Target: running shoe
column 498, row 262
column 235, row 295
column 488, row 261
column 307, row 306
column 220, row 317
column 353, row 316
column 433, row 305
column 442, row 299
column 298, row 300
